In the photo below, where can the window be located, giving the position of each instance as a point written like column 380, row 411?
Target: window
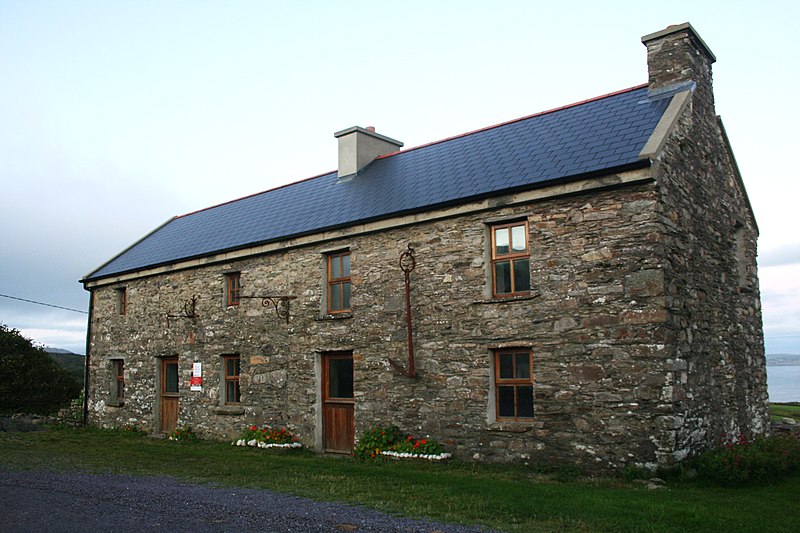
column 511, row 268
column 513, row 379
column 122, row 301
column 118, row 383
column 231, row 368
column 339, row 282
column 232, row 289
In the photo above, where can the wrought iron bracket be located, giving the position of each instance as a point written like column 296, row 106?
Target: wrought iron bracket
column 407, row 263
column 280, row 303
column 189, row 310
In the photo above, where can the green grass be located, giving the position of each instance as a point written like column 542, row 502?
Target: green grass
column 508, row 498
column 781, row 410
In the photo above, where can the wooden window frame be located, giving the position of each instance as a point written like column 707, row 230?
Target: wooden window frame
column 228, row 378
column 341, row 281
column 511, row 256
column 513, row 382
column 118, row 382
column 233, row 288
column 122, row 301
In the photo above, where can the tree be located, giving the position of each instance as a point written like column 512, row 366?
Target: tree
column 30, row 380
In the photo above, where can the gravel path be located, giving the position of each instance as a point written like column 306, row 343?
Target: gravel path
column 55, row 502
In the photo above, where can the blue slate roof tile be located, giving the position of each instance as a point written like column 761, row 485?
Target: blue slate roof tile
column 603, row 134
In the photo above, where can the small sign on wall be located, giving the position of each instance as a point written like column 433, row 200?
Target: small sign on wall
column 196, row 381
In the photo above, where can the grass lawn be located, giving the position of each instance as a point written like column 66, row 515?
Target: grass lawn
column 780, row 410
column 506, row 498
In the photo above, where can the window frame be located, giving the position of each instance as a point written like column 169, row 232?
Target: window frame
column 228, row 378
column 233, row 288
column 514, row 382
column 510, row 257
column 341, row 281
column 118, row 381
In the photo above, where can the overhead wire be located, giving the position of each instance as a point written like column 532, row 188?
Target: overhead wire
column 43, row 303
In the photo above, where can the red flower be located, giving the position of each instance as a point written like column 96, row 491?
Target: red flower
column 424, row 441
column 253, row 428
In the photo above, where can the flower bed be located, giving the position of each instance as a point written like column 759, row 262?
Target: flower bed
column 384, row 442
column 267, row 437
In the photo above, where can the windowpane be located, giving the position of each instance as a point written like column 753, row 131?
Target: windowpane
column 524, row 401
column 502, row 277
column 501, row 241
column 506, row 366
column 171, row 377
column 232, row 394
column 335, row 297
column 346, row 295
column 336, row 267
column 522, row 275
column 340, row 378
column 120, row 390
column 505, row 401
column 518, row 239
column 346, row 265
column 523, row 366
column 232, row 364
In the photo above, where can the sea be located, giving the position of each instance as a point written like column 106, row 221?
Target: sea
column 783, row 383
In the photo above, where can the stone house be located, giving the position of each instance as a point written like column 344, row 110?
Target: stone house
column 582, row 287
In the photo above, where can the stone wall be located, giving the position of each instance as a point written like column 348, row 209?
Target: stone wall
column 718, row 384
column 596, row 323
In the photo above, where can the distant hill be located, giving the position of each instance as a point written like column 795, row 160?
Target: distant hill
column 72, row 362
column 783, row 359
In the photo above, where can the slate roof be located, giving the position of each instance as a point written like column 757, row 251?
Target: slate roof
column 592, row 137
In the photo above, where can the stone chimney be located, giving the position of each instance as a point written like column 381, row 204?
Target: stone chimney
column 358, row 147
column 677, row 55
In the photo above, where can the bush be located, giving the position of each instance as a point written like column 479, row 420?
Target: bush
column 739, row 461
column 30, row 380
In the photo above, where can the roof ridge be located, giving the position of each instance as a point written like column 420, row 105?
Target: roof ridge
column 520, row 119
column 255, row 194
column 446, row 139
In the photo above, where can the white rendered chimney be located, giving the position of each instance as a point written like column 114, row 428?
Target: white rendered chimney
column 360, row 146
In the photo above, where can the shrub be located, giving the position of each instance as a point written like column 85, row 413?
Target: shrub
column 739, row 461
column 30, row 380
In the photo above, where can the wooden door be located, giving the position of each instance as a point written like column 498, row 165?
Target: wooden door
column 338, row 428
column 169, row 394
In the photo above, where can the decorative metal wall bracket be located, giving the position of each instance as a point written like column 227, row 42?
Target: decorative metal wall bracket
column 280, row 303
column 189, row 310
column 407, row 264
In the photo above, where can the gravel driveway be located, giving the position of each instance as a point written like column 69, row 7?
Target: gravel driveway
column 54, row 502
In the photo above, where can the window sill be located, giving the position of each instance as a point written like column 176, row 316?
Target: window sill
column 509, row 299
column 514, row 426
column 115, row 403
column 228, row 410
column 337, row 316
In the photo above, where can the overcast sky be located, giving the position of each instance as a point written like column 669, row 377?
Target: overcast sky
column 117, row 115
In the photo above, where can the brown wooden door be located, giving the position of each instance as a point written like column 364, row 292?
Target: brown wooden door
column 338, row 428
column 169, row 394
